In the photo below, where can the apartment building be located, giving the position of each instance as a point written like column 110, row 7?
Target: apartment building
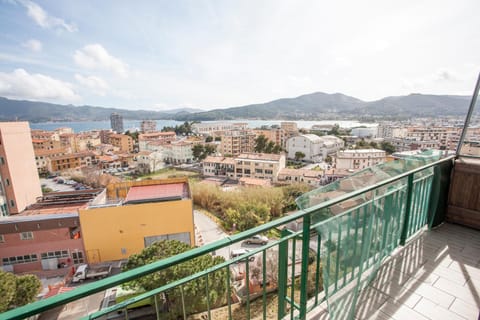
column 122, row 141
column 259, row 165
column 177, row 152
column 19, row 182
column 149, row 161
column 218, row 166
column 236, row 142
column 70, row 161
column 359, row 158
column 116, row 122
column 161, row 137
column 42, row 157
column 217, row 128
column 314, row 148
column 45, row 144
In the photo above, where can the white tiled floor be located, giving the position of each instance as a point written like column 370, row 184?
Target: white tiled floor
column 435, row 276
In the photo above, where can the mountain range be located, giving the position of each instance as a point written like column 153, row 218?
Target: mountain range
column 312, row 106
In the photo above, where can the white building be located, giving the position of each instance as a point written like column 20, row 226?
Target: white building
column 314, row 147
column 359, row 158
column 216, row 128
column 361, row 132
column 149, row 161
column 148, row 126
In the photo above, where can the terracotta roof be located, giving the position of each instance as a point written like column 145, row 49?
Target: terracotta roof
column 224, row 160
column 157, row 191
column 260, row 156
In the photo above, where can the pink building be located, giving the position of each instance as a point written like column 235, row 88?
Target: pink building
column 47, row 235
column 20, row 185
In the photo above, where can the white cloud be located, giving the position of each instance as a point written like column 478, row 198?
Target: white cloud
column 22, row 85
column 33, row 45
column 96, row 84
column 44, row 20
column 94, row 56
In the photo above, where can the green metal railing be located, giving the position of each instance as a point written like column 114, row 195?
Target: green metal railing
column 297, row 272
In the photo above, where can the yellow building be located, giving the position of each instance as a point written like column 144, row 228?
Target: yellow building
column 133, row 215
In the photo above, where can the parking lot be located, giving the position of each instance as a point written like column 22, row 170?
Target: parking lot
column 56, row 187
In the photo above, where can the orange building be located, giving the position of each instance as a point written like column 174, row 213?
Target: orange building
column 69, row 161
column 122, row 141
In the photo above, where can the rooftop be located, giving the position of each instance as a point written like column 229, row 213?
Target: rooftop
column 156, row 192
column 259, row 156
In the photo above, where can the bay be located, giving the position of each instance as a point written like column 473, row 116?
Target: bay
column 132, row 125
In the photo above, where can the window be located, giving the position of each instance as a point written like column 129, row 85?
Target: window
column 77, row 257
column 19, row 259
column 2, row 161
column 268, row 171
column 55, row 254
column 258, row 171
column 7, row 182
column 2, row 239
column 26, row 235
column 12, row 203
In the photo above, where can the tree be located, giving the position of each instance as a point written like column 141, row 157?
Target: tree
column 7, row 290
column 194, row 296
column 197, row 151
column 260, row 143
column 28, row 286
column 133, row 135
column 299, row 155
column 16, row 291
column 388, row 147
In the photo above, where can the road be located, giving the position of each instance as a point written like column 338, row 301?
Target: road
column 207, row 231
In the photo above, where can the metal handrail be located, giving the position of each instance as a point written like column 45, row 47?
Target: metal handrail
column 91, row 288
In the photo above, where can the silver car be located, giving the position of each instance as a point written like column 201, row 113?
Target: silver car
column 257, row 239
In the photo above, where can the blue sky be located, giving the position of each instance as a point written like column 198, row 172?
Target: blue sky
column 161, row 55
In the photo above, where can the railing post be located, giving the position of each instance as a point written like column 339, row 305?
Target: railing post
column 404, row 234
column 282, row 274
column 305, row 262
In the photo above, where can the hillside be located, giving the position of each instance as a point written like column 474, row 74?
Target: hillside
column 312, row 106
column 41, row 111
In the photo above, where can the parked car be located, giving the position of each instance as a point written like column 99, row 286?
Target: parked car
column 240, row 252
column 257, row 239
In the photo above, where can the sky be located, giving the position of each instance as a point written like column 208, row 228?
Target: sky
column 159, row 55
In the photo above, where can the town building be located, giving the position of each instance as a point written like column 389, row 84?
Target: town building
column 178, row 152
column 70, row 161
column 219, row 166
column 42, row 157
column 217, row 128
column 161, row 137
column 365, row 132
column 122, row 141
column 259, row 165
column 236, row 142
column 314, row 148
column 116, row 122
column 135, row 214
column 149, row 161
column 19, row 181
column 45, row 144
column 47, row 235
column 359, row 158
column 147, row 126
